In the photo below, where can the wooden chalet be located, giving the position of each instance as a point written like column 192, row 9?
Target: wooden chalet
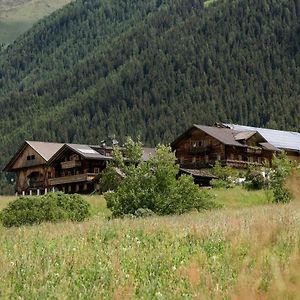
column 77, row 167
column 30, row 166
column 200, row 146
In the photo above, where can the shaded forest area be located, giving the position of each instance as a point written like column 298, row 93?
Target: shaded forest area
column 150, row 68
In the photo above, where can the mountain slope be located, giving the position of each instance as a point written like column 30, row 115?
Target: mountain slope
column 17, row 16
column 130, row 67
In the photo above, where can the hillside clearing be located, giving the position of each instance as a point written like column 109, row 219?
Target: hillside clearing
column 16, row 17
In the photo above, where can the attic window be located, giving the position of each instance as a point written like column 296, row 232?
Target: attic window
column 30, row 157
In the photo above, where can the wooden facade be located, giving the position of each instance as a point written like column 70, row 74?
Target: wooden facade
column 200, row 146
column 31, row 169
column 77, row 168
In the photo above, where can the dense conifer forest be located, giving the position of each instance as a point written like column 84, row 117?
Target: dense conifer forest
column 150, row 68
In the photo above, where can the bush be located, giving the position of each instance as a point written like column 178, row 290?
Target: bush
column 255, row 179
column 152, row 185
column 52, row 207
column 281, row 169
column 219, row 183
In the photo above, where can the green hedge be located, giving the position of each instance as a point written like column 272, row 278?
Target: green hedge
column 52, row 207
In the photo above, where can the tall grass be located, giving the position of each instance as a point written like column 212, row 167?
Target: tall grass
column 245, row 253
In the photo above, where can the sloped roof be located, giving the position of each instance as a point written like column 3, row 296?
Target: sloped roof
column 85, row 151
column 244, row 135
column 224, row 135
column 268, row 146
column 286, row 140
column 45, row 149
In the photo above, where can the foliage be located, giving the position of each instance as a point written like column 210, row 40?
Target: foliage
column 144, row 212
column 52, row 207
column 159, row 66
column 223, row 173
column 219, row 183
column 281, row 169
column 255, row 179
column 153, row 185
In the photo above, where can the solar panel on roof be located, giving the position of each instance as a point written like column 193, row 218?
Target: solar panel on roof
column 87, row 151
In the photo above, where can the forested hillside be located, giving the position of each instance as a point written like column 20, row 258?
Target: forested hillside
column 151, row 68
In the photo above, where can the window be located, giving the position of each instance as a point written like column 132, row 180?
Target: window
column 32, row 157
column 28, row 157
column 96, row 170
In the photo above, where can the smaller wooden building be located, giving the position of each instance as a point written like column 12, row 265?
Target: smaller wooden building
column 30, row 166
column 77, row 167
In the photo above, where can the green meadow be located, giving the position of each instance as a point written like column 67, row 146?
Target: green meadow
column 242, row 251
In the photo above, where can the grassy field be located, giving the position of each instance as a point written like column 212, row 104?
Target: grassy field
column 233, row 253
column 17, row 16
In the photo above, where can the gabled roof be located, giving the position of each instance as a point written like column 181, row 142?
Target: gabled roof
column 45, row 149
column 224, row 135
column 286, row 140
column 84, row 151
column 244, row 135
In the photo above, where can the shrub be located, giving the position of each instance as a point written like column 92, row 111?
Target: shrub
column 219, row 183
column 52, row 207
column 255, row 179
column 144, row 212
column 281, row 169
column 152, row 185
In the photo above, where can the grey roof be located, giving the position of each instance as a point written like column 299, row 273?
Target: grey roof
column 86, row 151
column 224, row 135
column 286, row 140
column 268, row 146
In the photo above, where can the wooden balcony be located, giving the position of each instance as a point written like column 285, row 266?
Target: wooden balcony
column 87, row 177
column 70, row 164
column 199, row 150
column 253, row 150
column 239, row 164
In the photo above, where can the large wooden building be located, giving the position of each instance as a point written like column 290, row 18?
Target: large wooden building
column 200, row 146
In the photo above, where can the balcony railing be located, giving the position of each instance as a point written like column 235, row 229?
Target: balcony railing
column 70, row 164
column 199, row 150
column 73, row 178
column 253, row 150
column 239, row 163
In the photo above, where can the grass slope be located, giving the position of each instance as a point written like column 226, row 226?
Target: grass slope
column 246, row 253
column 18, row 16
